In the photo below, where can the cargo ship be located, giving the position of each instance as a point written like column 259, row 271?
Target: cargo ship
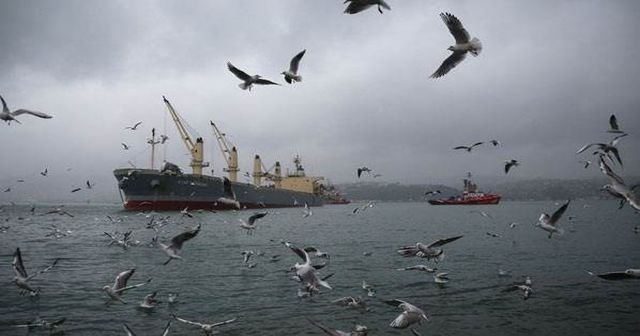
column 470, row 196
column 332, row 196
column 168, row 188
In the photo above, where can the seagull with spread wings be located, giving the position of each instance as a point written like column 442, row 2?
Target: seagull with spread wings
column 134, row 127
column 248, row 81
column 22, row 277
column 469, row 148
column 427, row 251
column 410, row 314
column 606, row 148
column 631, row 273
column 617, row 188
column 9, row 116
column 464, row 44
column 291, row 75
column 206, row 328
column 509, row 164
column 250, row 224
column 119, row 286
column 357, row 6
column 176, row 244
column 549, row 223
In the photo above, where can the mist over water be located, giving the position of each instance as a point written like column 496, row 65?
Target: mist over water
column 214, row 285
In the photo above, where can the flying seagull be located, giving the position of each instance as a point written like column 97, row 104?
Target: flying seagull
column 432, row 192
column 22, row 277
column 149, row 301
column 250, row 224
column 357, row 6
column 9, row 116
column 509, row 164
column 305, row 272
column 631, row 273
column 125, row 146
column 618, row 188
column 291, row 75
column 428, row 251
column 549, row 224
column 134, row 127
column 613, row 125
column 176, row 244
column 119, row 286
column 44, row 172
column 248, row 81
column 495, row 142
column 229, row 196
column 410, row 314
column 206, row 328
column 586, row 163
column 469, row 148
column 460, row 49
column 361, row 170
column 606, row 148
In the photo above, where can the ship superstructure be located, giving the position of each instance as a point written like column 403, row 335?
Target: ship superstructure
column 470, row 196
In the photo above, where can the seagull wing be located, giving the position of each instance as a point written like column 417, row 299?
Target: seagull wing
column 301, row 253
column 605, row 169
column 228, row 191
column 614, row 276
column 263, row 81
column 357, row 7
column 177, row 241
column 166, row 329
column 33, row 113
column 613, row 123
column 477, row 144
column 17, row 264
column 128, row 330
column 256, row 216
column 449, row 63
column 326, row 330
column 295, row 62
column 239, row 73
column 122, row 278
column 614, row 150
column 5, row 109
column 384, row 5
column 585, row 147
column 223, row 322
column 44, row 269
column 461, row 147
column 455, row 27
column 558, row 213
column 189, row 322
column 444, row 241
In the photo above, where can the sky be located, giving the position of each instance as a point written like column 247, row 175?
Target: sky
column 549, row 76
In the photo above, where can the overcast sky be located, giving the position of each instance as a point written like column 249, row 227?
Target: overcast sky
column 549, row 76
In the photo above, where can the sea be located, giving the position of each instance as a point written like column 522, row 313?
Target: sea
column 214, row 284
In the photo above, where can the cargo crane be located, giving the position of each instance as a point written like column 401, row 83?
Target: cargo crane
column 194, row 148
column 230, row 155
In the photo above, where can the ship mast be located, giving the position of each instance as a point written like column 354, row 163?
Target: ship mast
column 230, row 155
column 194, row 148
column 153, row 144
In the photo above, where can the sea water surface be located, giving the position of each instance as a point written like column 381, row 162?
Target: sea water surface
column 214, row 285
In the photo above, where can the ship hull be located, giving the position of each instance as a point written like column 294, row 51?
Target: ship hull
column 484, row 200
column 146, row 189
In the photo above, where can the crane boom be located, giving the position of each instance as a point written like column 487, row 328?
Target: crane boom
column 230, row 155
column 194, row 148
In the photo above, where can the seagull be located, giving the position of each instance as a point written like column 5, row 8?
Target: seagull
column 441, row 278
column 22, row 277
column 606, row 148
column 229, row 196
column 509, row 164
column 631, row 273
column 9, row 116
column 469, row 148
column 134, row 127
column 125, row 146
column 318, row 253
column 247, row 255
column 124, row 242
column 613, row 125
column 549, row 223
column 363, row 170
column 526, row 290
column 422, row 268
column 176, row 244
column 306, row 272
column 149, row 301
column 248, row 81
column 357, row 6
column 250, row 224
column 90, row 185
column 618, row 188
column 44, row 172
column 432, row 192
column 163, row 138
column 586, row 163
column 131, row 333
column 206, row 328
column 370, row 290
column 495, row 142
column 307, row 212
column 185, row 212
column 460, row 49
column 119, row 286
column 45, row 324
column 428, row 252
column 358, row 330
column 291, row 75
column 351, row 302
column 410, row 315
column 75, row 190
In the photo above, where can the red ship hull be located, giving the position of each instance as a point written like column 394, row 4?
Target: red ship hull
column 475, row 200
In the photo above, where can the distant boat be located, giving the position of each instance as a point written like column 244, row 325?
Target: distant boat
column 470, row 196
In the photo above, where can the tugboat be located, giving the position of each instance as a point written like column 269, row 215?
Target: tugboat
column 470, row 196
